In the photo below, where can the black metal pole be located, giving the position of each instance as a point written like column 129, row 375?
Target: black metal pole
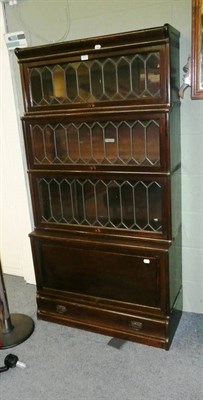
column 14, row 328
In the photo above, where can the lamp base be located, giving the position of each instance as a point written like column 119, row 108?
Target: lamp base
column 23, row 326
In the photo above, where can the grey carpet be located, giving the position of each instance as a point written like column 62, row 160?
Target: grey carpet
column 70, row 364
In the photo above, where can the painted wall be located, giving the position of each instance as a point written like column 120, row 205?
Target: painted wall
column 47, row 21
column 15, row 221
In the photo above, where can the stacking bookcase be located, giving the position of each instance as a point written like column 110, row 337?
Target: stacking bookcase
column 102, row 137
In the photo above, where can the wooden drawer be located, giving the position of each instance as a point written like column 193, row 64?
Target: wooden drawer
column 102, row 273
column 124, row 325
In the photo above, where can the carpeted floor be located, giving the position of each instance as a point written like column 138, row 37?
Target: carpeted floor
column 69, row 364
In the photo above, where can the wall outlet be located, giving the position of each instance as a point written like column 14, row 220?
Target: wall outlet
column 15, row 39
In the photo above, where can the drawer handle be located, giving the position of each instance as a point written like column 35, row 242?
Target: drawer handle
column 146, row 261
column 61, row 309
column 136, row 325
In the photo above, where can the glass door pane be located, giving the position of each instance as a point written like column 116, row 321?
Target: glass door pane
column 116, row 78
column 125, row 142
column 132, row 205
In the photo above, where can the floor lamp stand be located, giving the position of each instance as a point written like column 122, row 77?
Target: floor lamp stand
column 14, row 328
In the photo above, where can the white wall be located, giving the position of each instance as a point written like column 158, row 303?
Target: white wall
column 14, row 214
column 54, row 21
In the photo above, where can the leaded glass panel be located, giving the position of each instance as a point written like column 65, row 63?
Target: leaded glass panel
column 133, row 205
column 116, row 78
column 106, row 142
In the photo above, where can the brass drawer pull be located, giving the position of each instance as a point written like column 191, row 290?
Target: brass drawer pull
column 136, row 325
column 61, row 309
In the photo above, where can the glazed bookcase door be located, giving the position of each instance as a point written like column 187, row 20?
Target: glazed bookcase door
column 135, row 142
column 98, row 80
column 128, row 206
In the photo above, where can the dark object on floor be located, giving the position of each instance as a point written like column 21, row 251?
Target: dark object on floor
column 11, row 361
column 15, row 328
column 116, row 343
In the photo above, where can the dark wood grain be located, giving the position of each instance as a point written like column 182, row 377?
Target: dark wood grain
column 104, row 176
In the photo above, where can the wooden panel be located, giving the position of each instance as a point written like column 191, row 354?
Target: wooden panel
column 108, row 275
column 100, row 272
column 139, row 328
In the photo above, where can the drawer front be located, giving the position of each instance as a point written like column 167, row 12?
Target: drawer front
column 102, row 274
column 128, row 326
